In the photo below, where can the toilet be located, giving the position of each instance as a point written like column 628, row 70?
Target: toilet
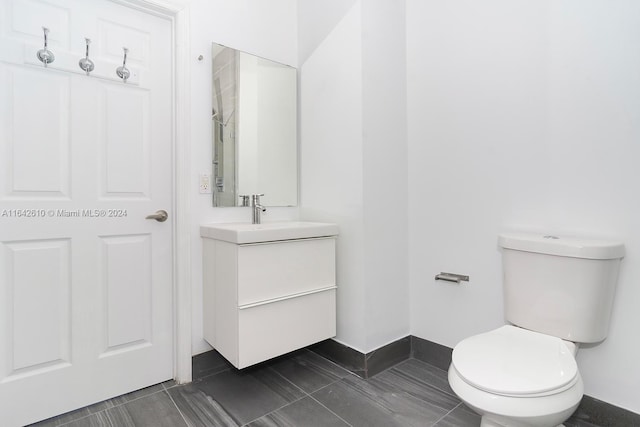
column 558, row 292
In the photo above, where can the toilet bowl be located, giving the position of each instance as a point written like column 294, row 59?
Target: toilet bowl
column 514, row 377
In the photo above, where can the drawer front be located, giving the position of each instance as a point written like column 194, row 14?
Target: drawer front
column 278, row 269
column 276, row 328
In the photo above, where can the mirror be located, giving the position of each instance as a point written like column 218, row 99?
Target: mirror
column 254, row 118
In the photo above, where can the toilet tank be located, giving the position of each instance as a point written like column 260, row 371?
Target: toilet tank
column 560, row 286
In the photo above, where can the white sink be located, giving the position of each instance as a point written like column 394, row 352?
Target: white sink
column 267, row 232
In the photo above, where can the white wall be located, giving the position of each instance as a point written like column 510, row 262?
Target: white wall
column 354, row 159
column 385, row 185
column 266, row 29
column 331, row 160
column 522, row 115
column 316, row 20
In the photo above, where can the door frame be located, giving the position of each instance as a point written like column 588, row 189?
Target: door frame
column 178, row 12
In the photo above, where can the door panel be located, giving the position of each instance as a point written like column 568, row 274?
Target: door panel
column 127, row 289
column 36, row 155
column 125, row 142
column 43, row 293
column 85, row 280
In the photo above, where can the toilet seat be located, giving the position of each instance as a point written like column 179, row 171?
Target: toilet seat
column 512, row 361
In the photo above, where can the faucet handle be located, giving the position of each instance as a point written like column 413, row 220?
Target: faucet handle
column 255, row 199
column 244, row 199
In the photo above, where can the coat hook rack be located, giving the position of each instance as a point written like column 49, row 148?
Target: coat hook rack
column 45, row 55
column 85, row 63
column 123, row 72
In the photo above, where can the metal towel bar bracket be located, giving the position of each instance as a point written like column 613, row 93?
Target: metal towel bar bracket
column 452, row 277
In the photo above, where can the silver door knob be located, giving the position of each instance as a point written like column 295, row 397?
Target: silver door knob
column 160, row 216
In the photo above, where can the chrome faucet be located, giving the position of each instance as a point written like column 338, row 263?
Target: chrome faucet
column 257, row 208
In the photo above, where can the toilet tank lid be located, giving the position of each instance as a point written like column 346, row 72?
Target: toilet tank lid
column 562, row 246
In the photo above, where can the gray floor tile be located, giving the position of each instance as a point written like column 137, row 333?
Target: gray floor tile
column 125, row 398
column 168, row 384
column 398, row 381
column 412, row 393
column 370, row 403
column 426, row 373
column 83, row 413
column 73, row 415
column 99, row 419
column 309, row 371
column 251, row 393
column 305, row 412
column 209, row 363
column 461, row 416
column 100, row 406
column 575, row 422
column 198, row 409
column 63, row 419
column 155, row 410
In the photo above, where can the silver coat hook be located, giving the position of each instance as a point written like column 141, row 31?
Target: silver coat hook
column 45, row 55
column 85, row 63
column 123, row 72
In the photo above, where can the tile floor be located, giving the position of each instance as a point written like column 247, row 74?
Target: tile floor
column 298, row 390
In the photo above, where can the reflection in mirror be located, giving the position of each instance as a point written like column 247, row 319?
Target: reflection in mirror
column 254, row 118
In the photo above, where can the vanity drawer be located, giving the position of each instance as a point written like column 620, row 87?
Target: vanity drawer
column 277, row 269
column 271, row 329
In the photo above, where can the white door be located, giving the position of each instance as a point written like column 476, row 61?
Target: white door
column 85, row 279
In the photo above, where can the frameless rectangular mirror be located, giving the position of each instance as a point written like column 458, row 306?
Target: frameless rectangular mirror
column 254, row 129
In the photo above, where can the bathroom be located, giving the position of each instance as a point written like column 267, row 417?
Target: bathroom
column 426, row 129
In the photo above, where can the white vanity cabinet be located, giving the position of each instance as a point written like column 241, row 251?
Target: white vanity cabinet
column 266, row 298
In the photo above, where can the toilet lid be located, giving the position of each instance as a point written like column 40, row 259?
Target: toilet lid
column 514, row 361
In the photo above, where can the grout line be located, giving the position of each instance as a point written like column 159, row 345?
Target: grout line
column 113, row 406
column 133, row 400
column 77, row 419
column 342, row 368
column 324, row 406
column 290, row 382
column 175, row 384
column 187, row 423
column 319, row 368
column 304, row 394
column 428, row 364
column 435, row 387
column 326, row 371
column 445, row 415
column 199, row 379
column 276, row 410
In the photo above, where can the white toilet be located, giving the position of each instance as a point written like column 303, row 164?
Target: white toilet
column 558, row 292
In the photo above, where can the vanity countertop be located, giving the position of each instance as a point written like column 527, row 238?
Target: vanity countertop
column 242, row 233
